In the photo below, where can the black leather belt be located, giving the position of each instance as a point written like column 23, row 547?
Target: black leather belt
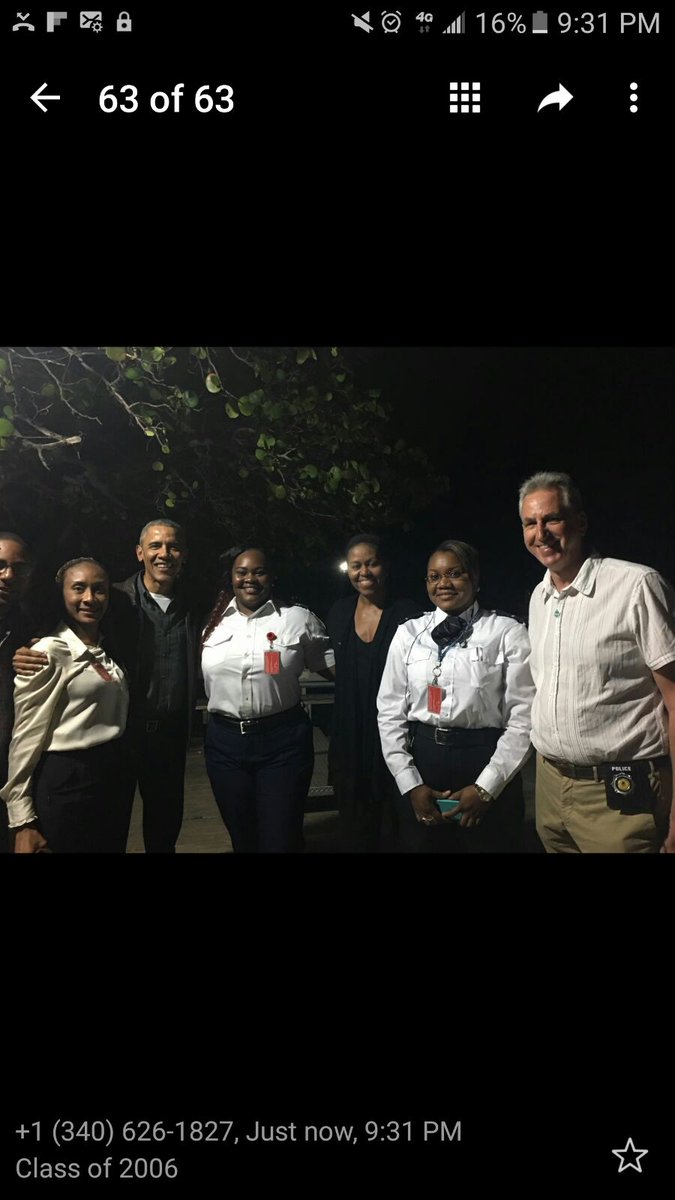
column 257, row 724
column 455, row 737
column 598, row 772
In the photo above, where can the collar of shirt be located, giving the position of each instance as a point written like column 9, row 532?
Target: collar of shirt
column 143, row 591
column 468, row 614
column 76, row 646
column 584, row 581
column 264, row 611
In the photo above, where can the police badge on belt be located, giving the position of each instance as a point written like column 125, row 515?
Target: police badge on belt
column 627, row 787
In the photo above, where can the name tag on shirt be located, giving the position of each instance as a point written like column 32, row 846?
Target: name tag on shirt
column 272, row 662
column 100, row 670
column 434, row 698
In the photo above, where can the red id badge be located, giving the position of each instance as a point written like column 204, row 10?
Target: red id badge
column 272, row 662
column 100, row 670
column 434, row 697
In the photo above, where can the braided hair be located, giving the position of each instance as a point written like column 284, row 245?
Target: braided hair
column 225, row 594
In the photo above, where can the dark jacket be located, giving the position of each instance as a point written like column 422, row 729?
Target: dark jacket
column 16, row 629
column 354, row 753
column 125, row 638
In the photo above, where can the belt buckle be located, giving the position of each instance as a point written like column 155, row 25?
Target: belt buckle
column 151, row 726
column 242, row 725
column 439, row 740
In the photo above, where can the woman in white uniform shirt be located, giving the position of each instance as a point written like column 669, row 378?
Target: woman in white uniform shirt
column 259, row 747
column 67, row 762
column 454, row 715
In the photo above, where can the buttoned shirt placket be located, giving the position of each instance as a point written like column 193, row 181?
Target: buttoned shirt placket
column 246, row 706
column 556, row 615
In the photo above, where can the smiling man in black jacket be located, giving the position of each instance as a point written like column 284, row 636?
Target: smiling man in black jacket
column 158, row 642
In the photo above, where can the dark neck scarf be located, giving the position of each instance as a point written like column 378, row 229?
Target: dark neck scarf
column 453, row 629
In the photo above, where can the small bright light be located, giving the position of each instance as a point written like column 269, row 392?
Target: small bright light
column 343, row 566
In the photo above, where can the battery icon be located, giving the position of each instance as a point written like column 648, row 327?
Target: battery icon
column 540, row 22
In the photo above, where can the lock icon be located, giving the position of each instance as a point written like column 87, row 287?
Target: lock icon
column 124, row 23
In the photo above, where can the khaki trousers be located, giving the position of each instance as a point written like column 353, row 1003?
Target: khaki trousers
column 573, row 816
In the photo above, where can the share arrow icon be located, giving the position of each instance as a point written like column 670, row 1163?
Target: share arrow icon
column 561, row 98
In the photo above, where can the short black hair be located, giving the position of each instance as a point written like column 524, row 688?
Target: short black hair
column 7, row 536
column 376, row 540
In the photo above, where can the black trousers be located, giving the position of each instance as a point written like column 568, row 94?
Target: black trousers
column 80, row 798
column 4, row 819
column 4, row 825
column 452, row 767
column 159, row 750
column 260, row 782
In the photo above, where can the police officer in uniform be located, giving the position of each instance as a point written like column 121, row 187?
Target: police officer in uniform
column 454, row 715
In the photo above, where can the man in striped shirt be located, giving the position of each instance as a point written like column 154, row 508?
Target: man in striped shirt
column 603, row 662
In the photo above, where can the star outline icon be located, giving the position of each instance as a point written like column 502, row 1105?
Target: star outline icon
column 630, row 1151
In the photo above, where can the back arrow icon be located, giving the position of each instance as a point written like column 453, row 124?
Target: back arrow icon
column 561, row 98
column 39, row 93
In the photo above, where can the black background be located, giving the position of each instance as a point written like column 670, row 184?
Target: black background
column 525, row 997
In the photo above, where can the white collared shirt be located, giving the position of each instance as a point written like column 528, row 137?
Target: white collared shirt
column 594, row 647
column 66, row 705
column 233, row 659
column 486, row 684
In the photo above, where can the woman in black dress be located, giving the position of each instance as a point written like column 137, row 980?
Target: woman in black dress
column 361, row 627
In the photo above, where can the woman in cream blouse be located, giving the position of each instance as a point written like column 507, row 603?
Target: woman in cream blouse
column 66, row 760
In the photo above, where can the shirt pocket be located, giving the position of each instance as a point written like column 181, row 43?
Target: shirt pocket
column 486, row 666
column 217, row 638
column 290, row 649
column 420, row 669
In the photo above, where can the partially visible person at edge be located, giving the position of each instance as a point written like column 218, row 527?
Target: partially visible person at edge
column 259, row 746
column 603, row 662
column 454, row 715
column 67, row 760
column 159, row 644
column 15, row 629
column 360, row 628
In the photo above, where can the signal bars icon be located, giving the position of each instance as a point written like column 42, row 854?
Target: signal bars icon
column 458, row 25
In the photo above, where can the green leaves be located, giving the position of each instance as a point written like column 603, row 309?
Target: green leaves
column 292, row 429
column 248, row 404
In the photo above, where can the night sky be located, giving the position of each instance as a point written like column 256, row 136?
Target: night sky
column 490, row 416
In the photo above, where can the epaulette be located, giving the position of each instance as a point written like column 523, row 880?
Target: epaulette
column 501, row 612
column 426, row 612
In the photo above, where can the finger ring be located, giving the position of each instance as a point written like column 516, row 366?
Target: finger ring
column 427, row 820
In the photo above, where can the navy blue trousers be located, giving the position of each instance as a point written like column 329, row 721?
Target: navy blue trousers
column 260, row 782
column 455, row 767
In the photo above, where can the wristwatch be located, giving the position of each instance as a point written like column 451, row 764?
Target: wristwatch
column 484, row 795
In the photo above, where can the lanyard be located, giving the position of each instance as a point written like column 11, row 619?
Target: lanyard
column 461, row 638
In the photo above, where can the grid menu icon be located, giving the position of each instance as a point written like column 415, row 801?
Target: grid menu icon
column 464, row 97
